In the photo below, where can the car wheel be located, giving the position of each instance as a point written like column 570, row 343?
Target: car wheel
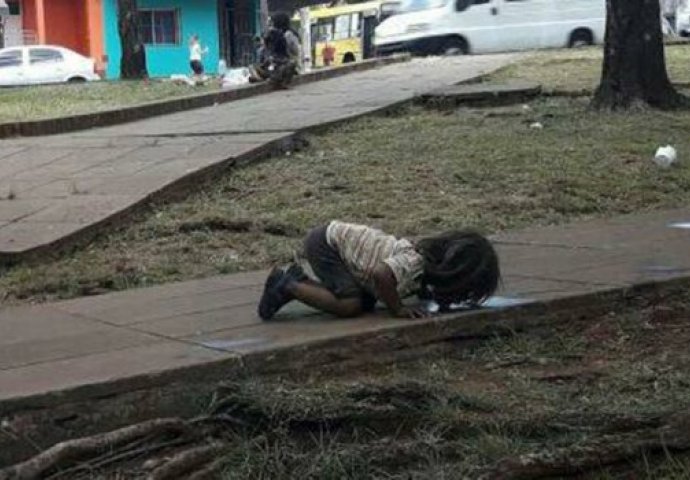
column 76, row 80
column 581, row 38
column 454, row 46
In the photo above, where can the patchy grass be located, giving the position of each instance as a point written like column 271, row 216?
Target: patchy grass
column 412, row 174
column 37, row 102
column 575, row 70
column 585, row 409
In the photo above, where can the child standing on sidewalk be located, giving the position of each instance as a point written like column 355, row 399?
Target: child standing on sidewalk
column 195, row 54
column 345, row 269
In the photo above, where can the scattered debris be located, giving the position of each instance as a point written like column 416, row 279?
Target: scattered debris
column 235, row 77
column 536, row 126
column 191, row 81
column 184, row 79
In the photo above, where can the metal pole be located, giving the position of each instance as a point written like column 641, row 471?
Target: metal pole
column 305, row 36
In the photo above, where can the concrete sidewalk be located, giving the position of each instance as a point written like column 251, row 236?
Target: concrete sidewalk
column 59, row 189
column 111, row 342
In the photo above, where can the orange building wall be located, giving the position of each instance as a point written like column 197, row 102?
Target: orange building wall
column 94, row 29
column 28, row 9
column 65, row 24
column 75, row 24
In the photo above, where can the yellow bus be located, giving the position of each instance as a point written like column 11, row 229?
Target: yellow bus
column 344, row 33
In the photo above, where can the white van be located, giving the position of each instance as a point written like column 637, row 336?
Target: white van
column 431, row 27
column 683, row 21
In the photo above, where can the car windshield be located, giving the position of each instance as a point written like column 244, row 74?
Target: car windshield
column 417, row 5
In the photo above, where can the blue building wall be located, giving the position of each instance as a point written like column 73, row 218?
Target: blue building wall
column 195, row 17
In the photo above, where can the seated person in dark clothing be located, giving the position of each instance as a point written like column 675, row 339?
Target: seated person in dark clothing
column 280, row 57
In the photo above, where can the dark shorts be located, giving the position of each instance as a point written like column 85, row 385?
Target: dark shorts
column 197, row 67
column 332, row 270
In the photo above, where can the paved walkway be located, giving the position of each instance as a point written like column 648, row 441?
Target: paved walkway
column 55, row 188
column 212, row 323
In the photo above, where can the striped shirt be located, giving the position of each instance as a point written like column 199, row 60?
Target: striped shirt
column 363, row 248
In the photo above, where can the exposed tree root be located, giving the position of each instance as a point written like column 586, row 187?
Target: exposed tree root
column 187, row 461
column 674, row 435
column 71, row 450
column 175, row 448
column 211, row 471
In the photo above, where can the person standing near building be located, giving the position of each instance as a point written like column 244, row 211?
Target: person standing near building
column 195, row 55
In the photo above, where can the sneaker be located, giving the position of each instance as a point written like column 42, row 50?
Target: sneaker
column 275, row 294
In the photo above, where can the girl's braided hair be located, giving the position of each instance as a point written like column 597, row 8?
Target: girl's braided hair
column 462, row 261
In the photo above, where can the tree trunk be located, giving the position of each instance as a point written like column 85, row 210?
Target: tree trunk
column 133, row 62
column 634, row 65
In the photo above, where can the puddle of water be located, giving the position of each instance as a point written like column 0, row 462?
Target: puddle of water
column 232, row 344
column 502, row 302
column 681, row 225
column 493, row 302
column 662, row 269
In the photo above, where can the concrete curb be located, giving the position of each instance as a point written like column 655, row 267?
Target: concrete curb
column 94, row 408
column 52, row 126
column 479, row 94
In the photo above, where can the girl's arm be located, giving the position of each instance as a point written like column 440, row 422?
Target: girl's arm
column 387, row 291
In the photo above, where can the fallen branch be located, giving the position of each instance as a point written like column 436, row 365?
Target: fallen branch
column 72, row 450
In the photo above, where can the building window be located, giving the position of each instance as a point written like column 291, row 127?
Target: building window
column 14, row 8
column 159, row 27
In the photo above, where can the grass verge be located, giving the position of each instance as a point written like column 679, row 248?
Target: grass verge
column 30, row 103
column 579, row 70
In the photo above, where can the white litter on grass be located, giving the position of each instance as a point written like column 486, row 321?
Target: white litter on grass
column 665, row 156
column 182, row 79
column 236, row 77
column 536, row 126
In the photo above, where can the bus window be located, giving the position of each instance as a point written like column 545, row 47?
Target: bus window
column 355, row 25
column 323, row 31
column 342, row 27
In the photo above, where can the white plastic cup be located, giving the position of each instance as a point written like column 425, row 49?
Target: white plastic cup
column 665, row 156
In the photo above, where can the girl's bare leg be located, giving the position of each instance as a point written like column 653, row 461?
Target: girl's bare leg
column 318, row 297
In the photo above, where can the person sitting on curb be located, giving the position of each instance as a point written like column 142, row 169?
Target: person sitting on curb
column 281, row 54
column 345, row 268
